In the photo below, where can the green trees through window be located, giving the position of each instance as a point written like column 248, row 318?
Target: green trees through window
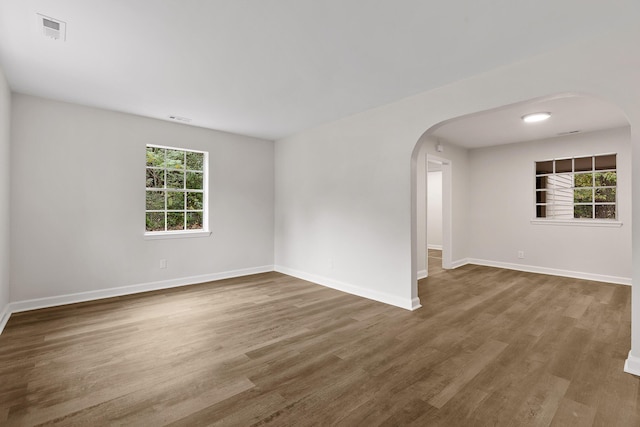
column 175, row 189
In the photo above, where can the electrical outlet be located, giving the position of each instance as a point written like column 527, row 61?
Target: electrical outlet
column 521, row 254
column 163, row 263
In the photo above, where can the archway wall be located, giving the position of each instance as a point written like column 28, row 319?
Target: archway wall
column 345, row 192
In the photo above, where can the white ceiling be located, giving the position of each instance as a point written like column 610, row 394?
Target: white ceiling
column 270, row 68
column 569, row 113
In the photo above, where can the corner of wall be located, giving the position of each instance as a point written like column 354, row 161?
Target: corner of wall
column 5, row 195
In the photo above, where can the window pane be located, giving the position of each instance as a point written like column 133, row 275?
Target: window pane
column 583, row 211
column 175, row 221
column 194, row 220
column 175, row 179
column 155, row 156
column 606, row 211
column 155, row 200
column 584, row 180
column 560, row 196
column 175, row 200
column 583, row 164
column 564, row 165
column 606, row 162
column 560, row 211
column 564, row 180
column 195, row 161
column 155, row 178
column 155, row 221
column 541, row 197
column 583, row 195
column 194, row 180
column 606, row 179
column 194, row 201
column 544, row 167
column 175, row 159
column 605, row 195
column 542, row 182
column 541, row 211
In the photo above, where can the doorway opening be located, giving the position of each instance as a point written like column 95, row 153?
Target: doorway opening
column 434, row 217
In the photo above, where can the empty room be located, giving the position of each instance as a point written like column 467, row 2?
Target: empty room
column 297, row 212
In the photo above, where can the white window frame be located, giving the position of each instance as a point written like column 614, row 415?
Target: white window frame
column 178, row 234
column 590, row 222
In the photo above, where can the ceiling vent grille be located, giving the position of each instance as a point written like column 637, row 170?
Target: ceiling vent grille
column 180, row 119
column 571, row 132
column 53, row 28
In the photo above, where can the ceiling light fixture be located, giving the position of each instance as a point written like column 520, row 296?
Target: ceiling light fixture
column 536, row 117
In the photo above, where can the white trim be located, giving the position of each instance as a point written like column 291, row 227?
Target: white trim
column 577, row 222
column 177, row 148
column 415, row 304
column 422, row 274
column 436, row 247
column 459, row 263
column 4, row 317
column 384, row 297
column 156, row 235
column 552, row 271
column 447, row 208
column 632, row 365
column 33, row 304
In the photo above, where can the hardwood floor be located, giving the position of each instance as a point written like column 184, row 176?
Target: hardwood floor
column 434, row 261
column 490, row 347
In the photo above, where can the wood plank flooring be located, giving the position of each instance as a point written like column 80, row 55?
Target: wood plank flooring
column 434, row 264
column 490, row 347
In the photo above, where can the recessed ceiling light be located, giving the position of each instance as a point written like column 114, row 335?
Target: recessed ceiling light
column 536, row 117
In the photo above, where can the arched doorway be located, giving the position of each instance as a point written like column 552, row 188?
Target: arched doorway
column 463, row 140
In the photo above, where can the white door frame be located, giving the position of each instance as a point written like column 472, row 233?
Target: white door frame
column 447, row 241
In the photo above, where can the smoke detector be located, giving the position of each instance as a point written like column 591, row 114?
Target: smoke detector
column 52, row 28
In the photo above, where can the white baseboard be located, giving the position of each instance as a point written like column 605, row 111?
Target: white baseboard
column 459, row 263
column 436, row 247
column 421, row 274
column 632, row 365
column 384, row 297
column 4, row 317
column 415, row 303
column 33, row 304
column 552, row 271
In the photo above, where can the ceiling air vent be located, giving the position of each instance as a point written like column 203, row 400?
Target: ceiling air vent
column 571, row 132
column 53, row 28
column 180, row 119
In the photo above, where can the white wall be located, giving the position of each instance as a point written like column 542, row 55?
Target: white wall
column 502, row 205
column 78, row 201
column 346, row 189
column 5, row 164
column 337, row 206
column 434, row 209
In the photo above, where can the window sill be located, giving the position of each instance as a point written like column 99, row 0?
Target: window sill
column 176, row 234
column 578, row 222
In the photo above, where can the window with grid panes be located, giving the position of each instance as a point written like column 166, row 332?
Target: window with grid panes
column 577, row 188
column 176, row 197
